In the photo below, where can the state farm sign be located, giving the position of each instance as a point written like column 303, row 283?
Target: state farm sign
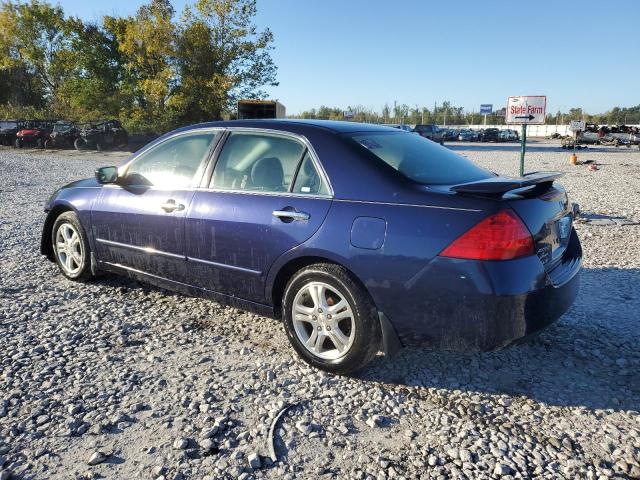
column 530, row 110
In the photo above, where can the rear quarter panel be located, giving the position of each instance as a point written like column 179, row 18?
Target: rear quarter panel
column 414, row 236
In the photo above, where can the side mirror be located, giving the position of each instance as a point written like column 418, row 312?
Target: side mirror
column 107, row 175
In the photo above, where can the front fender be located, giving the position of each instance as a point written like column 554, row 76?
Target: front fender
column 77, row 200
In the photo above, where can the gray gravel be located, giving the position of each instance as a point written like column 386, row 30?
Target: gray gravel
column 115, row 379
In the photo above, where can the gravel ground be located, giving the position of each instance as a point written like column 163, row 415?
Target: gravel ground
column 114, row 379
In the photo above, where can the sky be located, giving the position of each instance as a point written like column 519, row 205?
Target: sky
column 356, row 52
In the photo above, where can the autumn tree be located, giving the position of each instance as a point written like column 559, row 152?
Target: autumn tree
column 34, row 45
column 222, row 57
column 147, row 47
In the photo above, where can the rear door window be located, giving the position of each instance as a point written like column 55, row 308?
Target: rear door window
column 419, row 159
column 309, row 179
column 257, row 162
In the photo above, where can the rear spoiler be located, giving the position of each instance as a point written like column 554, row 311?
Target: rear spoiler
column 498, row 186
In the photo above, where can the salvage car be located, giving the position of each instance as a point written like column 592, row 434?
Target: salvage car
column 33, row 133
column 8, row 131
column 468, row 135
column 103, row 135
column 490, row 135
column 64, row 135
column 430, row 131
column 359, row 237
column 508, row 135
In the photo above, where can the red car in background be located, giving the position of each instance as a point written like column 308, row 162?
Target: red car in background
column 34, row 132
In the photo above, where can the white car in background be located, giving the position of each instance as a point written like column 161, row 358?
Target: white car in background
column 508, row 136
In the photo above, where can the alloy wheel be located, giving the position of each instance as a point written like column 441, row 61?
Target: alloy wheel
column 69, row 248
column 323, row 320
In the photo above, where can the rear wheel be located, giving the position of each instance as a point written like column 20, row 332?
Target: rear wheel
column 79, row 143
column 330, row 319
column 71, row 248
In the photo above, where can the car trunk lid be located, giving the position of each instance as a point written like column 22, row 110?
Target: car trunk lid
column 543, row 207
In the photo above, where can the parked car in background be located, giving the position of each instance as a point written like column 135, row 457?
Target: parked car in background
column 508, row 135
column 104, row 135
column 490, row 135
column 468, row 135
column 8, row 131
column 450, row 134
column 33, row 133
column 64, row 135
column 430, row 131
column 359, row 237
column 400, row 126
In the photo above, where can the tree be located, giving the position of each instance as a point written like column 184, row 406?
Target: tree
column 147, row 44
column 34, row 43
column 222, row 57
column 92, row 90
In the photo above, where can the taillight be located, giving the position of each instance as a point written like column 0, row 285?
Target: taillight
column 501, row 236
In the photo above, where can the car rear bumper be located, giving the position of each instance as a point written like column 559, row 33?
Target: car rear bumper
column 483, row 306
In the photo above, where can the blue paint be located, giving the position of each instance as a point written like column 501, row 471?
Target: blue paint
column 386, row 230
column 368, row 233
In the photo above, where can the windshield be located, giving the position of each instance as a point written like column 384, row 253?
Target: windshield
column 61, row 127
column 421, row 160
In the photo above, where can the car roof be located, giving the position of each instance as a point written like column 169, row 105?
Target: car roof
column 335, row 126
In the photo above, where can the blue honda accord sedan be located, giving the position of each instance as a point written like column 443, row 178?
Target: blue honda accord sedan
column 359, row 237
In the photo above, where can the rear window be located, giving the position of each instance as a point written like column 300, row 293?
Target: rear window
column 421, row 160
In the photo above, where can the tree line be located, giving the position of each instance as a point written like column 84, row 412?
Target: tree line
column 154, row 70
column 448, row 114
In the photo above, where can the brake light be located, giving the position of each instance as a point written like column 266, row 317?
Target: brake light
column 502, row 236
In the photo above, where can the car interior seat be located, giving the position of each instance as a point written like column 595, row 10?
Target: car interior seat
column 267, row 174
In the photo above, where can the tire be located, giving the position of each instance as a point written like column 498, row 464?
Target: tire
column 74, row 261
column 48, row 143
column 79, row 143
column 19, row 143
column 99, row 147
column 360, row 326
column 40, row 143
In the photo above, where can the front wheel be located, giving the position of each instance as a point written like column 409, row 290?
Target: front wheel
column 71, row 248
column 330, row 319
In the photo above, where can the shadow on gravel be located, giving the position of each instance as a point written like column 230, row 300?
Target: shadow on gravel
column 589, row 358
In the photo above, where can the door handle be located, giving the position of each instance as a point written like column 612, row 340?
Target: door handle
column 288, row 214
column 171, row 205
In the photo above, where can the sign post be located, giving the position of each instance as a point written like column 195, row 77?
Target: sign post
column 523, row 147
column 486, row 109
column 576, row 126
column 526, row 110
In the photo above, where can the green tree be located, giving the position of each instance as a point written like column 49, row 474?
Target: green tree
column 222, row 58
column 92, row 90
column 147, row 45
column 34, row 43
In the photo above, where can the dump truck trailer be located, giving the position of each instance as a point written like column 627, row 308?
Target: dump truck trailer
column 252, row 109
